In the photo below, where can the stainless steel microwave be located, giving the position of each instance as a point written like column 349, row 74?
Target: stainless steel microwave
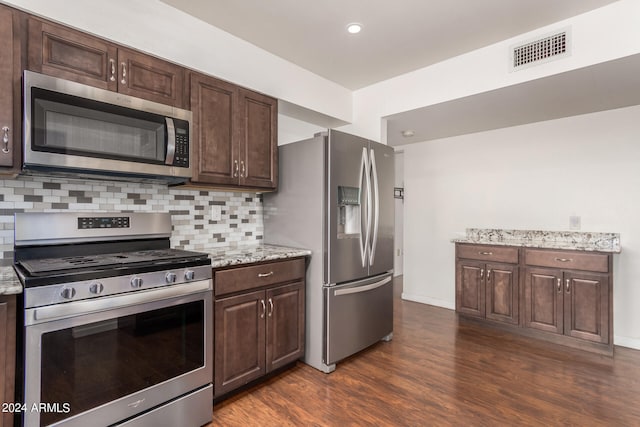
column 82, row 131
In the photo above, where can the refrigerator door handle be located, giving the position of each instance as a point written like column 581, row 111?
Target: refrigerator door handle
column 364, row 175
column 359, row 289
column 376, row 208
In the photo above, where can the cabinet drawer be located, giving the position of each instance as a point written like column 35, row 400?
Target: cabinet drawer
column 567, row 260
column 488, row 253
column 255, row 276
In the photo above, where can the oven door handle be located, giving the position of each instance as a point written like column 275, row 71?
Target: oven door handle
column 41, row 314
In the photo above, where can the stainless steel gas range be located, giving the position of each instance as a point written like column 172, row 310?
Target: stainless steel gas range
column 115, row 324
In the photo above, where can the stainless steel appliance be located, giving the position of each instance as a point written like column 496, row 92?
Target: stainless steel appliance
column 335, row 197
column 71, row 128
column 115, row 324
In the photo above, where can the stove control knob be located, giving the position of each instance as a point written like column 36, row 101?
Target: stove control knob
column 67, row 293
column 170, row 277
column 96, row 288
column 189, row 274
column 136, row 282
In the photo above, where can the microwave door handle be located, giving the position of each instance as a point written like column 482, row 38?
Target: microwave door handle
column 171, row 141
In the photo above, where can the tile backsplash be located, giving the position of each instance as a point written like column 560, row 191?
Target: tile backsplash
column 193, row 229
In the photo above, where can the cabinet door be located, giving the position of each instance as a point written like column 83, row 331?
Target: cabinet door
column 258, row 140
column 239, row 341
column 9, row 81
column 72, row 55
column 151, row 78
column 502, row 293
column 586, row 306
column 7, row 354
column 470, row 291
column 543, row 299
column 285, row 325
column 214, row 132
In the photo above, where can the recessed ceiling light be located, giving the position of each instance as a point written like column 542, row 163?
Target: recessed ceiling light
column 354, row 28
column 408, row 133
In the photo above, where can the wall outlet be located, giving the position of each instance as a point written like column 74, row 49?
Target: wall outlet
column 574, row 222
column 216, row 213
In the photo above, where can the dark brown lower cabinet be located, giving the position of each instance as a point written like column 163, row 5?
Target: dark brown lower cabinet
column 558, row 295
column 260, row 328
column 575, row 304
column 488, row 290
column 7, row 355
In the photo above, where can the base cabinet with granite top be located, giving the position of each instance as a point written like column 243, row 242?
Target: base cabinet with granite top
column 258, row 320
column 487, row 282
column 568, row 293
column 563, row 296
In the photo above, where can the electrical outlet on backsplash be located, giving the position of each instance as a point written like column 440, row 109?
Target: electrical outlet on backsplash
column 240, row 223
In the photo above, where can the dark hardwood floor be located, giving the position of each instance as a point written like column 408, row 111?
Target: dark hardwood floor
column 442, row 371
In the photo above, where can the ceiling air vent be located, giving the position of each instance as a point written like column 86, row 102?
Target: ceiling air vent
column 544, row 49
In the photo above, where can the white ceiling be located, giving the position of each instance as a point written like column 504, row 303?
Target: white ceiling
column 398, row 36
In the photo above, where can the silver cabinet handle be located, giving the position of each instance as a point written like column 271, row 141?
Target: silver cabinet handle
column 564, row 259
column 124, row 73
column 567, row 285
column 485, row 253
column 559, row 285
column 488, row 275
column 265, row 274
column 264, row 309
column 242, row 170
column 235, row 169
column 112, row 65
column 5, row 139
column 481, row 273
column 270, row 307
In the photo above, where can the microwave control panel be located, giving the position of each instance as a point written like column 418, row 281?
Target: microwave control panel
column 181, row 157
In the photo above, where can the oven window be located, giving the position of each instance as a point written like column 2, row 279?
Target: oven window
column 64, row 124
column 89, row 365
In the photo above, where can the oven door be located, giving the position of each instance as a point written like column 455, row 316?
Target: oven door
column 102, row 361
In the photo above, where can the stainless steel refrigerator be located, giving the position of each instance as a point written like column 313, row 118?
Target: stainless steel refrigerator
column 335, row 197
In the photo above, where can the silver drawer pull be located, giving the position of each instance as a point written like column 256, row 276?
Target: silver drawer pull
column 564, row 259
column 485, row 253
column 265, row 274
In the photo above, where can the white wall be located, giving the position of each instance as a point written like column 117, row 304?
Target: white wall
column 526, row 177
column 398, row 238
column 159, row 29
column 600, row 35
column 292, row 130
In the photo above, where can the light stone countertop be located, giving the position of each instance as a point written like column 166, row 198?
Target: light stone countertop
column 246, row 254
column 9, row 282
column 566, row 240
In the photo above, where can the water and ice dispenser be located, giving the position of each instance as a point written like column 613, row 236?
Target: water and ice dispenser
column 348, row 212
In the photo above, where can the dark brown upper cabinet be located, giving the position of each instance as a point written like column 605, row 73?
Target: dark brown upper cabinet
column 10, row 69
column 72, row 55
column 234, row 135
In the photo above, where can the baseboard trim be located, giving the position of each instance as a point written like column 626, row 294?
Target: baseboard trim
column 632, row 343
column 430, row 301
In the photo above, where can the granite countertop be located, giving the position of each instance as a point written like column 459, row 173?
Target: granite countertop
column 222, row 257
column 567, row 240
column 9, row 282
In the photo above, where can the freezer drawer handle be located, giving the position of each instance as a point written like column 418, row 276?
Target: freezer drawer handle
column 366, row 288
column 265, row 274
